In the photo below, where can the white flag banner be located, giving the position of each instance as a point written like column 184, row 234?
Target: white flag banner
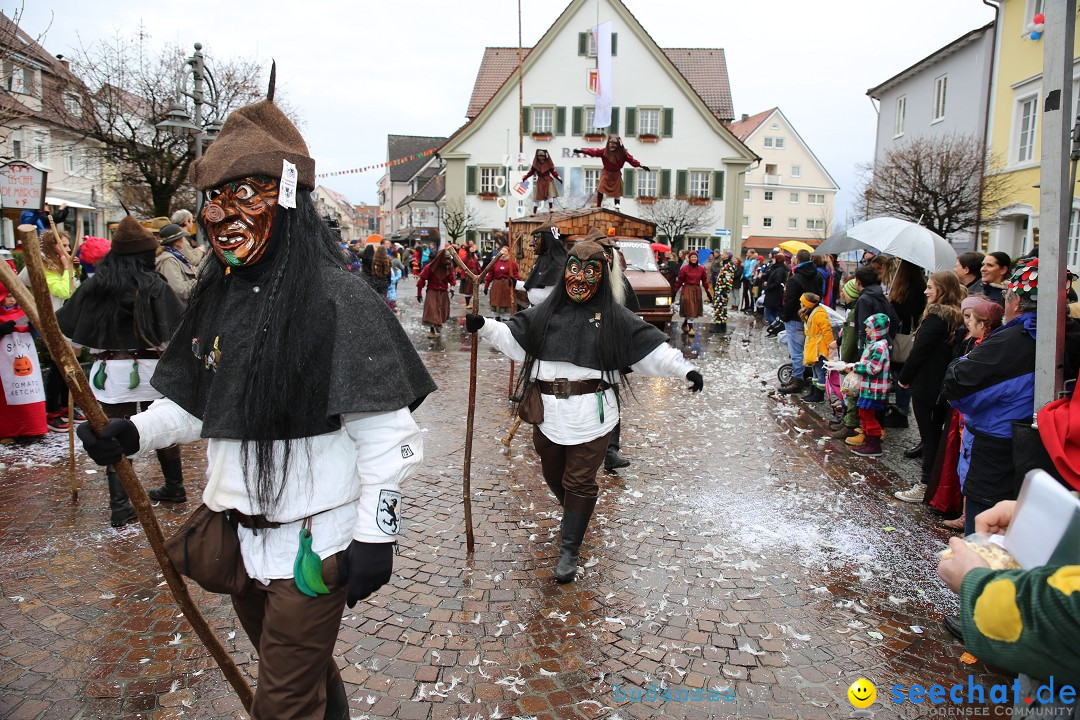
column 602, row 36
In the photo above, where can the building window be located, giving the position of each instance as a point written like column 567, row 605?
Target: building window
column 699, row 183
column 646, row 183
column 590, row 120
column 696, row 242
column 793, row 223
column 778, row 143
column 793, row 197
column 543, row 120
column 901, row 111
column 815, row 198
column 592, row 180
column 1026, row 140
column 40, row 151
column 746, row 194
column 766, row 222
column 1072, row 252
column 648, row 121
column 768, row 196
column 746, row 221
column 796, row 171
column 16, row 146
column 768, row 142
column 1034, row 7
column 941, row 84
column 815, row 224
column 70, row 161
column 71, row 102
column 17, row 80
column 487, row 180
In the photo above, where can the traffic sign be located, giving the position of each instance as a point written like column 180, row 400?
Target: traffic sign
column 722, row 232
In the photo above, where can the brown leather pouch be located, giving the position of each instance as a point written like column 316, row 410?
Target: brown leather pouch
column 531, row 407
column 206, row 549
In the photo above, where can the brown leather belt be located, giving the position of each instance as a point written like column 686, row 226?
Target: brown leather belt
column 129, row 355
column 251, row 522
column 563, row 388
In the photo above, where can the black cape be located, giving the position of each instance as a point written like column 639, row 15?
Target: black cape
column 88, row 327
column 573, row 331
column 352, row 349
column 550, row 265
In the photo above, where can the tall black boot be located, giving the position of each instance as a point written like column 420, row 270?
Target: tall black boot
column 556, row 490
column 172, row 468
column 576, row 514
column 613, row 460
column 337, row 702
column 119, row 505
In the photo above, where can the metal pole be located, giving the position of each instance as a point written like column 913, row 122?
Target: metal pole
column 1055, row 196
column 198, row 66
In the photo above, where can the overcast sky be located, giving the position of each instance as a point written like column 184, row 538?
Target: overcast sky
column 359, row 71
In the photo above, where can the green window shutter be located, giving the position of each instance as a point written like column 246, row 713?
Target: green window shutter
column 526, row 117
column 718, row 185
column 628, row 182
column 631, row 122
column 471, row 173
column 665, row 183
column 682, row 183
column 470, row 236
column 614, row 44
column 668, row 123
column 582, row 43
column 577, row 120
column 560, row 120
column 613, row 128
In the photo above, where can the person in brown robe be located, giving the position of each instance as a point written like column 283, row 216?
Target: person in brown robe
column 546, row 175
column 613, row 156
column 500, row 283
column 437, row 275
column 692, row 280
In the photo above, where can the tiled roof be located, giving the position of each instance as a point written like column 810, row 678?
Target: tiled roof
column 745, row 128
column 398, row 146
column 431, row 191
column 342, row 202
column 705, row 69
column 768, row 242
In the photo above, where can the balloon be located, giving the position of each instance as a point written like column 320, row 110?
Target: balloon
column 1030, row 27
column 1039, row 19
column 1039, row 27
column 1036, row 35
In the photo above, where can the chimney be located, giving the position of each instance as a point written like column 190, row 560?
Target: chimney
column 745, row 116
column 65, row 63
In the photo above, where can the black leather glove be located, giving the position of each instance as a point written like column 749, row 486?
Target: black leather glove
column 646, row 168
column 419, row 297
column 367, row 567
column 6, row 328
column 696, row 381
column 473, row 322
column 117, row 439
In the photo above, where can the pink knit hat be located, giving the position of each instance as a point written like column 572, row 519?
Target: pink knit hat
column 983, row 308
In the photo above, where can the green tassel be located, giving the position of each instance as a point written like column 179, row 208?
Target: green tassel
column 600, row 403
column 100, row 376
column 133, row 379
column 307, row 568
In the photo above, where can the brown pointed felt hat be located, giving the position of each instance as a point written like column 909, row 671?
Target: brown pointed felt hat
column 254, row 141
column 130, row 237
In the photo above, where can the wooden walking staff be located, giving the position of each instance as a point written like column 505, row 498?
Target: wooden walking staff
column 466, row 480
column 71, row 404
column 73, row 375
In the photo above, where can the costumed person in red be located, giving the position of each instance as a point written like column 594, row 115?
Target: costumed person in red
column 576, row 347
column 22, row 391
column 544, row 188
column 126, row 313
column 500, row 283
column 693, row 280
column 614, row 156
column 272, row 364
column 467, row 253
column 437, row 276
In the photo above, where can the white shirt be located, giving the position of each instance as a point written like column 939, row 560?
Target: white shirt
column 344, row 482
column 536, row 295
column 118, row 380
column 576, row 419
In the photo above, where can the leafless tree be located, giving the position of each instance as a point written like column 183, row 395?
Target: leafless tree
column 14, row 40
column 949, row 184
column 675, row 217
column 126, row 86
column 458, row 219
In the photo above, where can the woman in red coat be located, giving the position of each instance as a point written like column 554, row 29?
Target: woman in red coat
column 468, row 257
column 437, row 275
column 544, row 187
column 692, row 280
column 500, row 282
column 613, row 156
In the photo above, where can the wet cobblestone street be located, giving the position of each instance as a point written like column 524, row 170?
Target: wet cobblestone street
column 743, row 552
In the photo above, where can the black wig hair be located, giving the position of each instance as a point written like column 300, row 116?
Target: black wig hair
column 301, row 246
column 122, row 288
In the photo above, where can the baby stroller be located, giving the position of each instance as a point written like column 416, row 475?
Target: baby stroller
column 783, row 373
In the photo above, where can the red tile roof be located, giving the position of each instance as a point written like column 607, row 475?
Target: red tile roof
column 745, row 128
column 705, row 69
column 764, row 242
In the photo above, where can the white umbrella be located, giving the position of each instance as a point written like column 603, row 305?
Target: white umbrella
column 907, row 241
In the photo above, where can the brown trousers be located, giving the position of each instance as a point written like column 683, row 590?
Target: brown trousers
column 294, row 635
column 571, row 468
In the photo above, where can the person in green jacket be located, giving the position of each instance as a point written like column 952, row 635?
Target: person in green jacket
column 1026, row 621
column 849, row 353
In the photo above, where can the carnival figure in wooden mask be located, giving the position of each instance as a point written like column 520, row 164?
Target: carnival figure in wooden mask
column 239, row 217
column 546, row 175
column 613, row 156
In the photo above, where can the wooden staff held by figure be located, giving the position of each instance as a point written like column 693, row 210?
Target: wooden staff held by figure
column 73, row 375
column 474, row 344
column 70, row 257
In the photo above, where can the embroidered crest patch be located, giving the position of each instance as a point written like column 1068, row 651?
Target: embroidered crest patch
column 406, row 452
column 388, row 514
